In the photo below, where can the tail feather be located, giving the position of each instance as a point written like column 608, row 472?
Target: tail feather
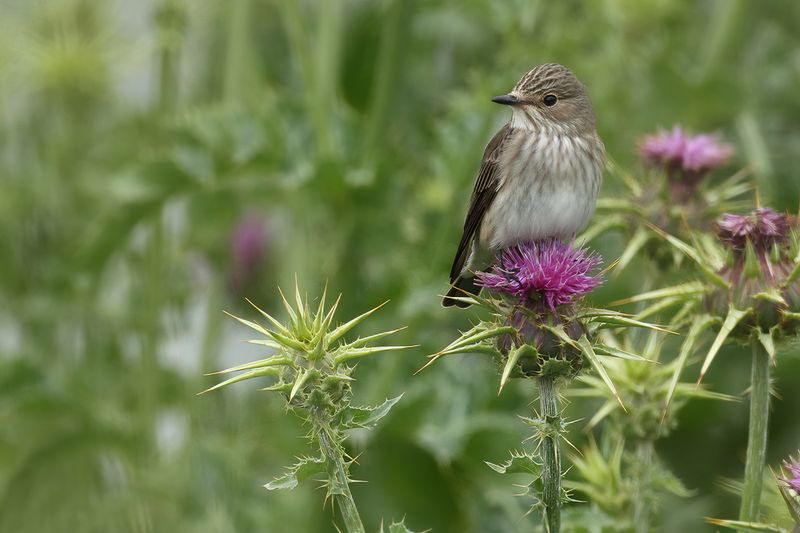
column 462, row 286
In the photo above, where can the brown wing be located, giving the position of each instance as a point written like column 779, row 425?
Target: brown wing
column 486, row 186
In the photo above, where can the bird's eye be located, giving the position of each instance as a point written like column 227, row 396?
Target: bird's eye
column 550, row 100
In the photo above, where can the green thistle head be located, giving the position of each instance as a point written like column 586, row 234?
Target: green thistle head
column 312, row 364
column 749, row 285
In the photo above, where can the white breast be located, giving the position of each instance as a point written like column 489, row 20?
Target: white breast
column 549, row 186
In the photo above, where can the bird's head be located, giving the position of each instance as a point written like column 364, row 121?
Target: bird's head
column 550, row 96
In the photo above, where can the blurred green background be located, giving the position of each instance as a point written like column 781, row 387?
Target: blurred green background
column 162, row 159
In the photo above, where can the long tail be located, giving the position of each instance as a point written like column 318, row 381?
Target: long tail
column 462, row 286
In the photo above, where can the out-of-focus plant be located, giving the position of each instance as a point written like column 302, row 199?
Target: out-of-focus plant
column 313, row 366
column 538, row 329
column 674, row 193
column 644, row 389
column 751, row 291
column 781, row 503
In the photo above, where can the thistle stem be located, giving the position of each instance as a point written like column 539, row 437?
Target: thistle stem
column 551, row 456
column 645, row 449
column 338, row 482
column 757, row 435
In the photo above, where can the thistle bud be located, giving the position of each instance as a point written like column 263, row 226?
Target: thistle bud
column 760, row 250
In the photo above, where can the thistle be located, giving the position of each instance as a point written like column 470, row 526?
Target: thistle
column 686, row 159
column 791, row 475
column 539, row 329
column 750, row 291
column 674, row 193
column 312, row 366
column 643, row 389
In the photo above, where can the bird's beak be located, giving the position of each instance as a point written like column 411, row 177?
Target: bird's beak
column 507, row 99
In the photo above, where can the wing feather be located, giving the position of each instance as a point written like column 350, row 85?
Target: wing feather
column 486, row 186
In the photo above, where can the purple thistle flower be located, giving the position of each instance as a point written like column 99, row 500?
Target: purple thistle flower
column 793, row 477
column 664, row 148
column 550, row 271
column 677, row 151
column 763, row 228
column 760, row 260
column 702, row 153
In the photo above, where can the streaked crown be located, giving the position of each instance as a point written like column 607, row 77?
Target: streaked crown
column 550, row 77
column 550, row 93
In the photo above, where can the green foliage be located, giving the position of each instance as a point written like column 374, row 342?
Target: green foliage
column 136, row 136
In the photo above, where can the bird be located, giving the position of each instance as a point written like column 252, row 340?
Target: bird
column 539, row 176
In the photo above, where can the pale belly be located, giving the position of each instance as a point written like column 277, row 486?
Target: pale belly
column 542, row 198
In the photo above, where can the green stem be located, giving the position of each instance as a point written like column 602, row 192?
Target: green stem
column 645, row 450
column 757, row 436
column 551, row 456
column 171, row 20
column 338, row 482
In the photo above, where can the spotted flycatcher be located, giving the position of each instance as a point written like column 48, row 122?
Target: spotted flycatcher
column 539, row 175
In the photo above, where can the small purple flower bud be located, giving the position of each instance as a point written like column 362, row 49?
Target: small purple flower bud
column 548, row 271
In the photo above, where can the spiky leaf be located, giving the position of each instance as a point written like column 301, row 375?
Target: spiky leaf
column 367, row 417
column 303, row 469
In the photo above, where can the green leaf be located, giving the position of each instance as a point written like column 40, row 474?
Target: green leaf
column 746, row 526
column 656, row 308
column 397, row 527
column 300, row 381
column 635, row 244
column 363, row 341
column 611, row 351
column 293, row 318
column 265, row 342
column 708, row 270
column 588, row 352
column 259, row 328
column 619, row 320
column 471, row 341
column 699, row 325
column 354, row 353
column 257, row 373
column 337, row 333
column 305, row 468
column 682, row 290
column 600, row 226
column 367, row 417
column 772, row 296
column 275, row 360
column 511, row 362
column 605, row 410
column 734, row 317
column 559, row 332
column 768, row 342
column 269, row 317
column 281, row 339
column 518, row 463
column 793, row 275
